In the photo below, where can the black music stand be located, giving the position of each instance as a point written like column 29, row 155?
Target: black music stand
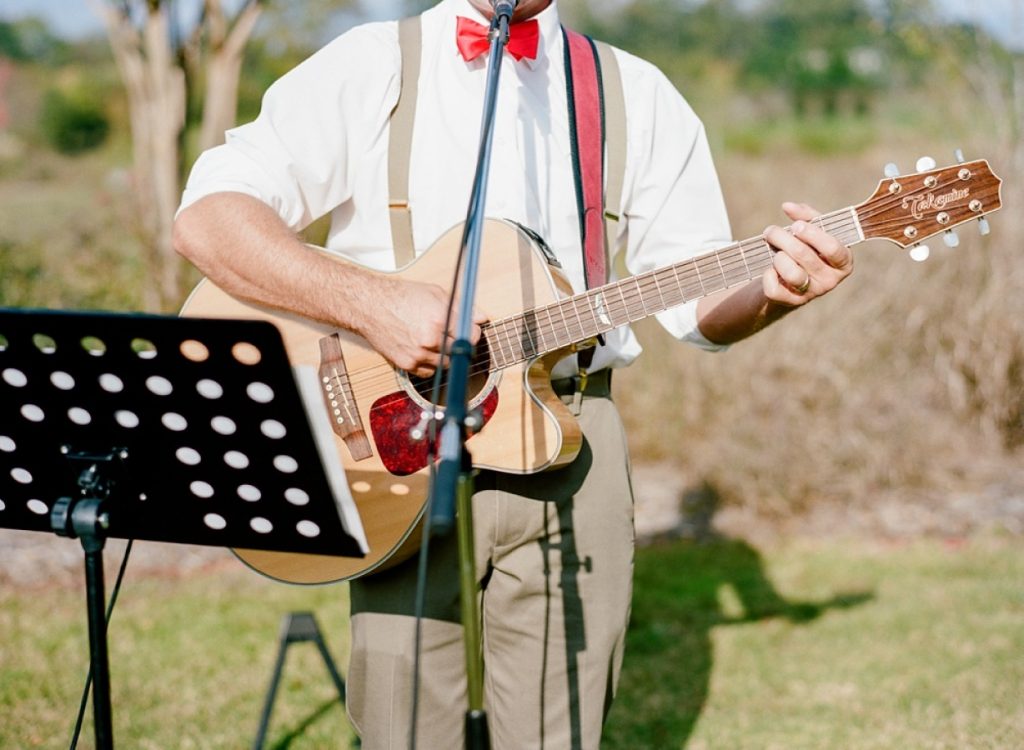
column 166, row 429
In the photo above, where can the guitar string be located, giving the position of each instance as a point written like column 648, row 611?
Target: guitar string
column 679, row 292
column 568, row 309
column 832, row 222
column 508, row 352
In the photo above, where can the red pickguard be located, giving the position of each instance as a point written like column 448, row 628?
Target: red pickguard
column 392, row 419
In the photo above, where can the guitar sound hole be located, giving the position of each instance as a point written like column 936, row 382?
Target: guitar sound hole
column 479, row 372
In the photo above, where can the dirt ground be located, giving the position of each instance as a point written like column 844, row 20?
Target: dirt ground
column 666, row 507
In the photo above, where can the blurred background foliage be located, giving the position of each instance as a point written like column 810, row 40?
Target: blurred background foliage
column 907, row 381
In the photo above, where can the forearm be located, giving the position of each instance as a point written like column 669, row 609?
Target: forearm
column 735, row 314
column 807, row 264
column 245, row 248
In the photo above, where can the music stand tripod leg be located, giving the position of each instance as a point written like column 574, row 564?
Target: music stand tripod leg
column 85, row 520
column 296, row 627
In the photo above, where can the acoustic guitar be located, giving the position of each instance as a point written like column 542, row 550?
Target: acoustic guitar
column 535, row 320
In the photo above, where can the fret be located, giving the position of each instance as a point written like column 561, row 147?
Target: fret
column 743, row 257
column 709, row 273
column 527, row 337
column 545, row 334
column 580, row 331
column 682, row 294
column 657, row 288
column 598, row 308
column 564, row 319
column 760, row 244
column 679, row 282
column 721, row 269
column 496, row 352
column 636, row 301
column 625, row 304
column 670, row 295
column 738, row 265
column 699, row 279
column 507, row 329
column 558, row 328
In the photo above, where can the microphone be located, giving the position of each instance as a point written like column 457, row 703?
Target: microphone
column 504, row 8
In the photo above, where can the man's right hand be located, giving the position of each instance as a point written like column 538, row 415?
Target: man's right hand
column 242, row 244
column 406, row 323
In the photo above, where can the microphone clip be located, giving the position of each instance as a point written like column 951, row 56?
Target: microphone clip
column 504, row 9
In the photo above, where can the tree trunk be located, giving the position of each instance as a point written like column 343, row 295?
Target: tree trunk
column 156, row 101
column 223, row 69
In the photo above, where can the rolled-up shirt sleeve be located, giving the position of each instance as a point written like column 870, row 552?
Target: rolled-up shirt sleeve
column 674, row 209
column 299, row 155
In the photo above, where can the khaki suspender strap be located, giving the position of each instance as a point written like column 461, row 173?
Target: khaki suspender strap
column 400, row 143
column 615, row 138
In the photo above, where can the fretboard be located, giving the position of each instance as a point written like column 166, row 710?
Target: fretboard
column 584, row 316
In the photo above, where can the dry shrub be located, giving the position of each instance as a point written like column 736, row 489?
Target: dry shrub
column 907, row 379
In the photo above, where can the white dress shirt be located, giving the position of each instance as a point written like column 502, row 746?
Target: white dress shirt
column 320, row 145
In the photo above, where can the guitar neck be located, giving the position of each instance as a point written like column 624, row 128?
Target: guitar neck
column 589, row 314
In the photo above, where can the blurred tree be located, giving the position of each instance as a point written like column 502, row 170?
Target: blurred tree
column 73, row 122
column 824, row 54
column 152, row 56
column 173, row 56
column 29, row 39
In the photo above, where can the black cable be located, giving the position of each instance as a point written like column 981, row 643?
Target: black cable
column 421, row 591
column 432, row 442
column 88, row 678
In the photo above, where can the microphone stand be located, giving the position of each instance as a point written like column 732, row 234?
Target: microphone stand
column 453, row 485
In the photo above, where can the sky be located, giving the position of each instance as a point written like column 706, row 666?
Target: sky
column 75, row 18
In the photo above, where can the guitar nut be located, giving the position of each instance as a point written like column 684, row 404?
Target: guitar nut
column 964, row 174
column 931, row 181
column 942, row 217
column 975, row 205
column 910, row 232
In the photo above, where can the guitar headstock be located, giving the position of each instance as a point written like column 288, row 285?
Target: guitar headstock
column 907, row 209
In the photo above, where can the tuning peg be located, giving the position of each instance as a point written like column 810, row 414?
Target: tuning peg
column 925, row 163
column 983, row 226
column 959, row 156
column 951, row 239
column 891, row 170
column 920, row 252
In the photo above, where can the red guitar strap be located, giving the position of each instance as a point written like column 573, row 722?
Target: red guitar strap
column 585, row 98
column 586, row 133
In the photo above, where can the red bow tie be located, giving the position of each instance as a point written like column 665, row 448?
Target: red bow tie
column 471, row 38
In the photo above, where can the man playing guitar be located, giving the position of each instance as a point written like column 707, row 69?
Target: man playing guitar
column 554, row 548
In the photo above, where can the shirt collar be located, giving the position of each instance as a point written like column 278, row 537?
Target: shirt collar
column 550, row 27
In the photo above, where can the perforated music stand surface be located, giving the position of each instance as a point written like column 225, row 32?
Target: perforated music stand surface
column 218, row 449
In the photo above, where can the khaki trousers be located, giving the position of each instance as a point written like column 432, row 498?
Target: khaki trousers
column 554, row 562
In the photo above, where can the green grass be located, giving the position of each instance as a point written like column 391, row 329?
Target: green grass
column 818, row 646
column 190, row 664
column 803, row 645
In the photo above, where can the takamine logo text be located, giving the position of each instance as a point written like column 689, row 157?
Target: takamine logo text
column 918, row 204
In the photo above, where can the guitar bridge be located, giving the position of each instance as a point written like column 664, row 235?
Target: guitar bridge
column 339, row 399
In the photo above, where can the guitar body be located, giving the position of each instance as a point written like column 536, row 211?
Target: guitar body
column 374, row 407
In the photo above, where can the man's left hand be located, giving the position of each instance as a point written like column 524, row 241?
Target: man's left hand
column 810, row 262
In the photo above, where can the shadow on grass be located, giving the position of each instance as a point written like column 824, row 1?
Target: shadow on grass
column 678, row 600
column 284, row 742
